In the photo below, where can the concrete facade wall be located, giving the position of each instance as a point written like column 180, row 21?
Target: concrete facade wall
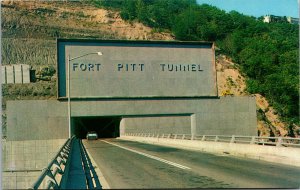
column 137, row 69
column 29, row 154
column 218, row 116
column 157, row 124
column 23, row 161
column 9, row 74
column 36, row 120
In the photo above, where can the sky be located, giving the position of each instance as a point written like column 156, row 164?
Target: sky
column 258, row 8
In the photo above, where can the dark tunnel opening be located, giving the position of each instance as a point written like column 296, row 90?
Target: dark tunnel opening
column 106, row 127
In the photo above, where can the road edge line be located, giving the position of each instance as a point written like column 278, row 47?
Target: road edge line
column 150, row 156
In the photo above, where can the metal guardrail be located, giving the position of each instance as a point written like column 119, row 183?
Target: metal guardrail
column 58, row 165
column 271, row 141
column 90, row 173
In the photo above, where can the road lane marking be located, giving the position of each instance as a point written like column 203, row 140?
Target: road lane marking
column 150, row 156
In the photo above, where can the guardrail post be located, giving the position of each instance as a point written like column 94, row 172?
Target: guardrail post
column 217, row 138
column 252, row 140
column 232, row 139
column 52, row 179
column 279, row 142
column 169, row 136
column 55, row 167
column 163, row 136
column 175, row 137
column 183, row 136
column 52, row 183
column 158, row 135
column 192, row 137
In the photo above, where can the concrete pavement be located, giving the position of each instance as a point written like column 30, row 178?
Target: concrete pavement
column 127, row 164
column 280, row 155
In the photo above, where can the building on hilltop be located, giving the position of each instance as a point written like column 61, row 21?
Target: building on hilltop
column 281, row 19
column 292, row 20
column 267, row 19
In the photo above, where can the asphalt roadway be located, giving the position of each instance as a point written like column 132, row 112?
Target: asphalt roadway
column 128, row 165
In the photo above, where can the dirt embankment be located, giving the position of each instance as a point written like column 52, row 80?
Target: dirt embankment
column 85, row 17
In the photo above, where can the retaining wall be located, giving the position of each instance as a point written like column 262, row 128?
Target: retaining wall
column 47, row 119
column 23, row 161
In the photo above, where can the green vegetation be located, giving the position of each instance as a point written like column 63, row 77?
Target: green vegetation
column 267, row 53
column 21, row 91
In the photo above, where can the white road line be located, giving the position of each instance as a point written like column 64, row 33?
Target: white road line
column 150, row 156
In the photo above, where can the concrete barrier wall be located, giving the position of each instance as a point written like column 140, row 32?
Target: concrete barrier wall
column 282, row 155
column 30, row 154
column 22, row 161
column 18, row 74
column 19, row 180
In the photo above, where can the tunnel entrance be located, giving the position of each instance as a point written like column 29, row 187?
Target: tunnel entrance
column 106, row 127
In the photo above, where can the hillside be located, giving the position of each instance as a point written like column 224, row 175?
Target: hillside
column 231, row 81
column 266, row 53
column 29, row 30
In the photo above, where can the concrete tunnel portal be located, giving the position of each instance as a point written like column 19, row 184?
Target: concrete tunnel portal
column 106, row 127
